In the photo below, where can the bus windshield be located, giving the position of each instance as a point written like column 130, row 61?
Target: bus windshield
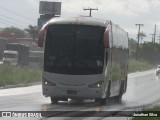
column 74, row 49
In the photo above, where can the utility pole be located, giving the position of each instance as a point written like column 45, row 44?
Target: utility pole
column 90, row 9
column 139, row 28
column 154, row 34
column 159, row 38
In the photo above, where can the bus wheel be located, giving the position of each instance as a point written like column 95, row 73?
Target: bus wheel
column 54, row 100
column 118, row 98
column 104, row 101
column 125, row 85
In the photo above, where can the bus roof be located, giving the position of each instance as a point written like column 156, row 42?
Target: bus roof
column 117, row 32
column 79, row 20
column 82, row 21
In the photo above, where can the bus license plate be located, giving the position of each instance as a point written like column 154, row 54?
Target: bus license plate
column 72, row 92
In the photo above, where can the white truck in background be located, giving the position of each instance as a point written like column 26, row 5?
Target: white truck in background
column 10, row 57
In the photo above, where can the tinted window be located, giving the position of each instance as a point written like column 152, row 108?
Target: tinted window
column 74, row 49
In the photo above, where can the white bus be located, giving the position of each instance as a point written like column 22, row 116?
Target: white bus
column 84, row 58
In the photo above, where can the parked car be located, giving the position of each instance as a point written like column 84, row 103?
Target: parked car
column 158, row 70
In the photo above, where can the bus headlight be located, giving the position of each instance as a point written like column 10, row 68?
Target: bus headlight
column 46, row 82
column 96, row 85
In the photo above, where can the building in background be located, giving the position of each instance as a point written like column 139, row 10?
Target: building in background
column 48, row 10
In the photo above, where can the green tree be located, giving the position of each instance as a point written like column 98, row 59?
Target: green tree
column 150, row 52
column 13, row 30
column 33, row 31
column 142, row 35
column 132, row 47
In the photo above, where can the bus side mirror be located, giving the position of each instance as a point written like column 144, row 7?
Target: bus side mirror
column 41, row 36
column 106, row 38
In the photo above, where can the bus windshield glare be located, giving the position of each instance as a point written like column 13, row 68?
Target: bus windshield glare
column 74, row 49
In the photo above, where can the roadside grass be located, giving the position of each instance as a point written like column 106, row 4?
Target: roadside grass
column 155, row 110
column 135, row 65
column 10, row 75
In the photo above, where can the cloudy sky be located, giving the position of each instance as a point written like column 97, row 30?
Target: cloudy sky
column 125, row 13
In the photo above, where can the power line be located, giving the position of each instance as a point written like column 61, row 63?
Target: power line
column 11, row 23
column 2, row 7
column 5, row 23
column 90, row 10
column 13, row 19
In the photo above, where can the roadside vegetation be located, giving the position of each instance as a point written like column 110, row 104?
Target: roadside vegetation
column 10, row 75
column 148, row 55
column 135, row 65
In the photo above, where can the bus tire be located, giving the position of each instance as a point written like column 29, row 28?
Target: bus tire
column 104, row 101
column 125, row 86
column 54, row 100
column 118, row 98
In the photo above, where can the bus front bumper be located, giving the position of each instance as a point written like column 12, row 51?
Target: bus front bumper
column 81, row 92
